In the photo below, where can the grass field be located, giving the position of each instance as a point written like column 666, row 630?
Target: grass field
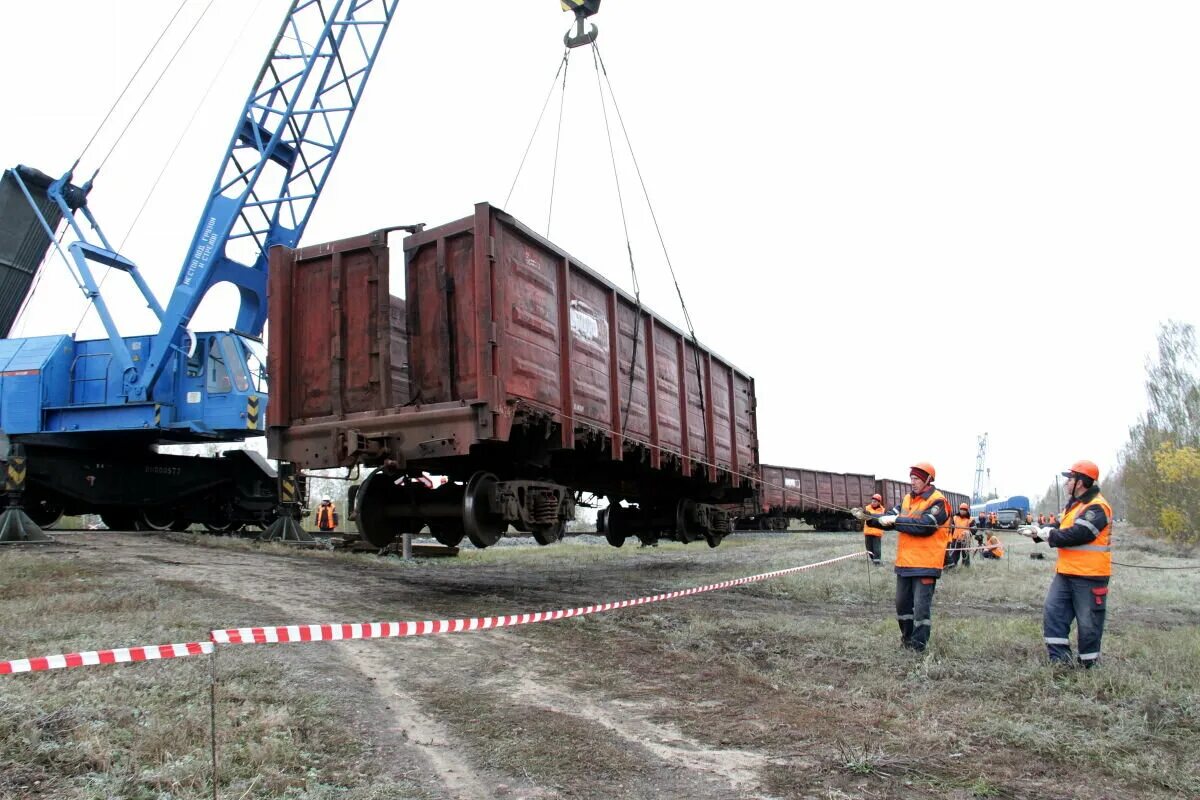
column 791, row 688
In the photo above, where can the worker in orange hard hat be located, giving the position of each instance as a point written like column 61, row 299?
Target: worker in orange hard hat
column 922, row 521
column 873, row 535
column 1079, row 591
column 994, row 549
column 960, row 538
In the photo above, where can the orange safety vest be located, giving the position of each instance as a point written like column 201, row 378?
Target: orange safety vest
column 927, row 552
column 962, row 526
column 994, row 546
column 325, row 517
column 1041, row 519
column 1094, row 559
column 876, row 509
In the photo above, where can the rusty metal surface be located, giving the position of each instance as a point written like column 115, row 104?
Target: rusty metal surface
column 329, row 346
column 504, row 324
column 892, row 491
column 555, row 334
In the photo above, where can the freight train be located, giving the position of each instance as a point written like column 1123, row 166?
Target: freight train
column 528, row 380
column 820, row 498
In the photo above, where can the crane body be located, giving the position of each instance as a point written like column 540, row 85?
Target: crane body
column 83, row 407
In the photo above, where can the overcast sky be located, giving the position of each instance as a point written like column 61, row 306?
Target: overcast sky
column 910, row 222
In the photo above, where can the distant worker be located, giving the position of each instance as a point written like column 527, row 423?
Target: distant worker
column 1079, row 590
column 873, row 535
column 923, row 522
column 982, row 520
column 327, row 516
column 1028, row 517
column 993, row 519
column 1041, row 520
column 994, row 549
column 960, row 538
column 1053, row 519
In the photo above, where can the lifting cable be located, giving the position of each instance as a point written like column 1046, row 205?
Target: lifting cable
column 562, row 104
column 154, row 86
column 64, row 227
column 562, row 65
column 132, row 78
column 662, row 242
column 637, row 291
column 178, row 141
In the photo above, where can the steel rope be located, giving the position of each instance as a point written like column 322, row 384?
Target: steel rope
column 562, row 62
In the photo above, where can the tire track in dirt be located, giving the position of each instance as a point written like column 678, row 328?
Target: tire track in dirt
column 269, row 582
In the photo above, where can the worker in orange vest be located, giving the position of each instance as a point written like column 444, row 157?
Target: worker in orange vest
column 1053, row 519
column 1041, row 520
column 922, row 521
column 873, row 535
column 960, row 538
column 994, row 549
column 327, row 516
column 1079, row 591
column 993, row 519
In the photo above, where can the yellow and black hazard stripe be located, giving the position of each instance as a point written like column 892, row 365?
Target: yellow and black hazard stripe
column 583, row 8
column 287, row 489
column 15, row 474
column 252, row 412
column 157, row 415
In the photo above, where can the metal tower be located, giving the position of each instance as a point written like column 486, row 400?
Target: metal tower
column 977, row 494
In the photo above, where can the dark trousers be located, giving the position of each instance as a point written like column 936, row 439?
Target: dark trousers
column 990, row 554
column 1083, row 600
column 914, row 610
column 957, row 551
column 874, row 547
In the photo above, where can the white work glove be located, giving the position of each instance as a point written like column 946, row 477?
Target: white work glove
column 887, row 520
column 1028, row 530
column 1044, row 534
column 858, row 513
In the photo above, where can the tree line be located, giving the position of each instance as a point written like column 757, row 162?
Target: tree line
column 1156, row 482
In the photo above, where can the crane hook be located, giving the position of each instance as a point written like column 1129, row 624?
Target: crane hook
column 581, row 37
column 583, row 9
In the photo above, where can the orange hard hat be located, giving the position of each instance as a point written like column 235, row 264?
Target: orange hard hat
column 925, row 468
column 963, row 507
column 878, row 497
column 1086, row 468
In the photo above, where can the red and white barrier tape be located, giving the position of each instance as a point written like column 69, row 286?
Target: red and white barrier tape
column 366, row 630
column 378, row 630
column 120, row 655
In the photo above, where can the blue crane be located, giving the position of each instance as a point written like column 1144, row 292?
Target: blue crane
column 91, row 411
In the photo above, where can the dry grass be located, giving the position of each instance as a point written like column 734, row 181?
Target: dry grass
column 804, row 670
column 142, row 730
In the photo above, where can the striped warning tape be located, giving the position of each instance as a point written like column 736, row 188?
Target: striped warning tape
column 383, row 630
column 120, row 655
column 366, row 630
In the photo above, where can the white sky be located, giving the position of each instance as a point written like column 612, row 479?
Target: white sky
column 910, row 222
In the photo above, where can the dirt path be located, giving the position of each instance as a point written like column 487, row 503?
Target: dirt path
column 674, row 764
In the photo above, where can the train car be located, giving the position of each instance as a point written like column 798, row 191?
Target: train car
column 891, row 491
column 530, row 379
column 821, row 499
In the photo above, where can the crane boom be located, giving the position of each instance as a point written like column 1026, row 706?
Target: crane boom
column 282, row 149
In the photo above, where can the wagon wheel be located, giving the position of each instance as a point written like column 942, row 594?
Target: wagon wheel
column 156, row 519
column 483, row 527
column 685, row 529
column 44, row 513
column 370, row 510
column 616, row 524
column 448, row 532
column 548, row 534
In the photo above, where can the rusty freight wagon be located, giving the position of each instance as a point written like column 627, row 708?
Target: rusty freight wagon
column 527, row 379
column 822, row 499
column 891, row 491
